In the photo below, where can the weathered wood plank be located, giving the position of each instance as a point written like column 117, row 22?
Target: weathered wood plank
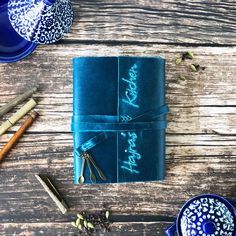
column 201, row 142
column 191, row 170
column 203, row 103
column 186, row 120
column 64, row 229
column 196, row 22
column 178, row 145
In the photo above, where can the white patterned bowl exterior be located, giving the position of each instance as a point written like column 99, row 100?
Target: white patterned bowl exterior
column 40, row 22
column 207, row 215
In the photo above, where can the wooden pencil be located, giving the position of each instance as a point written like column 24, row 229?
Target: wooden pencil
column 19, row 133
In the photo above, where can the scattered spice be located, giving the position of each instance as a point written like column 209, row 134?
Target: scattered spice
column 85, row 224
column 187, row 55
column 178, row 60
column 88, row 223
column 73, row 224
column 193, row 67
column 183, row 78
column 196, row 67
column 80, row 216
column 184, row 56
column 80, row 227
column 77, row 222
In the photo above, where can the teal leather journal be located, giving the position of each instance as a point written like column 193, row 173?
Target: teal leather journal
column 119, row 119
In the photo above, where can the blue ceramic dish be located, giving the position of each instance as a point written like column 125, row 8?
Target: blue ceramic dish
column 12, row 46
column 205, row 215
column 41, row 21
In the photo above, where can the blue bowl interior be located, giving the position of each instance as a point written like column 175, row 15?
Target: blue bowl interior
column 221, row 199
column 12, row 46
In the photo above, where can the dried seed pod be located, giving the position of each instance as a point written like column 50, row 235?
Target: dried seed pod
column 193, row 67
column 80, row 227
column 90, row 225
column 73, row 224
column 182, row 77
column 178, row 60
column 80, row 216
column 189, row 55
column 77, row 222
column 85, row 224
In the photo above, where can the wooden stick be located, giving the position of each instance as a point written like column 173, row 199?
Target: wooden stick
column 17, row 116
column 16, row 101
column 15, row 138
column 53, row 193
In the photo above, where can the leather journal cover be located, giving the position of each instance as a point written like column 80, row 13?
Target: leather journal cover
column 119, row 119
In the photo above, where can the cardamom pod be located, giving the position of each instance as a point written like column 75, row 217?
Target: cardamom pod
column 189, row 55
column 193, row 67
column 77, row 222
column 80, row 216
column 85, row 224
column 80, row 227
column 90, row 225
column 73, row 224
column 178, row 60
column 181, row 77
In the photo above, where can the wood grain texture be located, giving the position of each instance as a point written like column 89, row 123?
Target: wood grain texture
column 201, row 135
column 201, row 141
column 64, row 229
column 203, row 103
column 172, row 22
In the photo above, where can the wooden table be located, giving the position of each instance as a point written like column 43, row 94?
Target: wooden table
column 201, row 136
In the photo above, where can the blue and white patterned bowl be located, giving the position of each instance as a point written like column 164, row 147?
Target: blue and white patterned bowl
column 41, row 21
column 12, row 46
column 205, row 215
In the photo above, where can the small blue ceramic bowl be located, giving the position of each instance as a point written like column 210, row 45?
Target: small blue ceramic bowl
column 205, row 215
column 26, row 23
column 12, row 46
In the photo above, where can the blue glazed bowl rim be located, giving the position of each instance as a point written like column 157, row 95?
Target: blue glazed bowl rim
column 27, row 50
column 227, row 203
column 25, row 53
